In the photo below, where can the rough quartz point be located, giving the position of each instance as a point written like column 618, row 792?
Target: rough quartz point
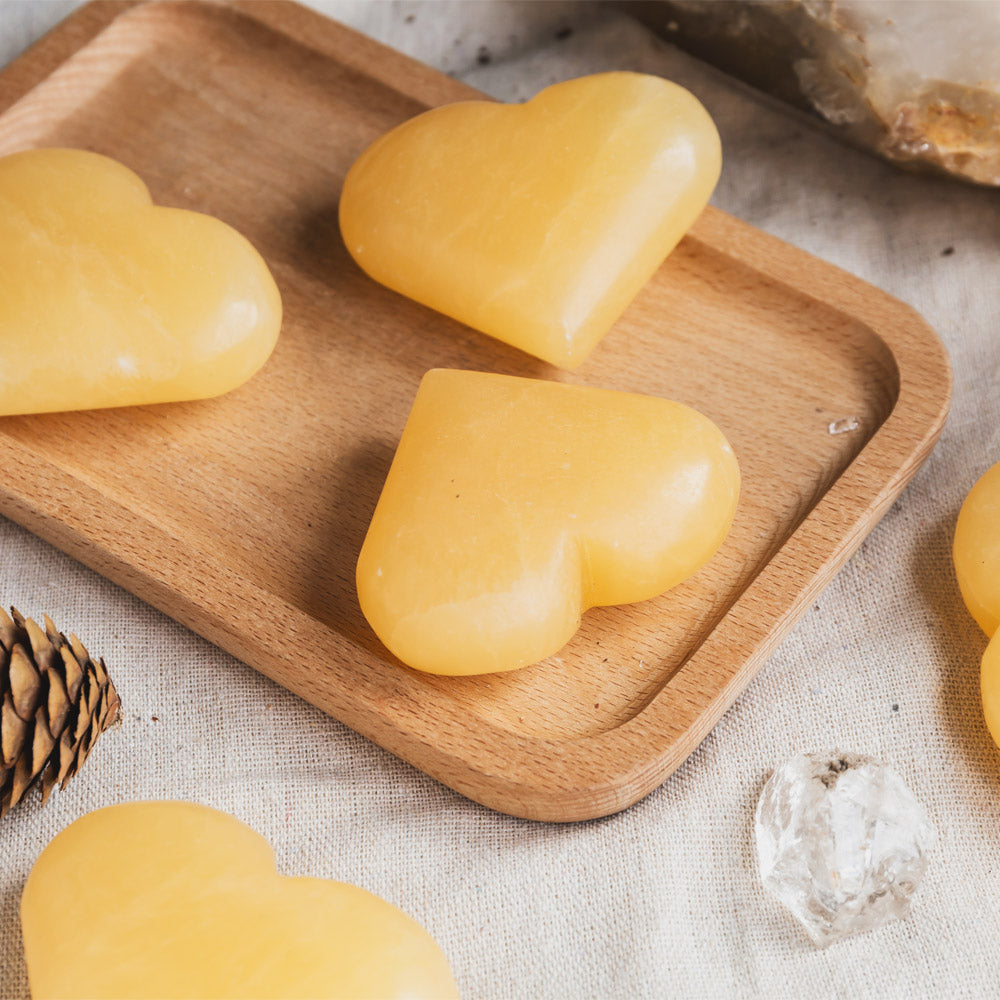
column 917, row 81
column 841, row 842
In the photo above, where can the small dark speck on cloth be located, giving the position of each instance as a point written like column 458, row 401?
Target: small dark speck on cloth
column 483, row 56
column 947, row 251
column 563, row 33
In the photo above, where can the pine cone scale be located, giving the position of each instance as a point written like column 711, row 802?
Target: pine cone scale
column 8, row 631
column 43, row 741
column 14, row 729
column 73, row 673
column 25, row 682
column 59, row 704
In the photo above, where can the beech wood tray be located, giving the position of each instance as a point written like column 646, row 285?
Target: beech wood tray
column 242, row 517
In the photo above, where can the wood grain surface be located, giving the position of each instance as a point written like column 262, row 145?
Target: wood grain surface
column 242, row 517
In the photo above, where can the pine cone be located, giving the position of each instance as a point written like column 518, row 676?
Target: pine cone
column 54, row 703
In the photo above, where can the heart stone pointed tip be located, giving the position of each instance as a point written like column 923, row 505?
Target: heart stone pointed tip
column 535, row 223
column 109, row 300
column 513, row 505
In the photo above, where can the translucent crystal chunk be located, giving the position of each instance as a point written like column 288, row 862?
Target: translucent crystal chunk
column 918, row 83
column 841, row 842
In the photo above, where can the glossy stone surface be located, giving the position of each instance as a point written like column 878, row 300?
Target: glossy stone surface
column 534, row 223
column 841, row 842
column 512, row 505
column 173, row 899
column 108, row 300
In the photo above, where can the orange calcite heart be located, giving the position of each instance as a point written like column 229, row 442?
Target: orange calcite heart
column 976, row 552
column 512, row 505
column 108, row 300
column 534, row 223
column 171, row 899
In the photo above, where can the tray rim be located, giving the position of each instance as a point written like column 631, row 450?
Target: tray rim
column 553, row 779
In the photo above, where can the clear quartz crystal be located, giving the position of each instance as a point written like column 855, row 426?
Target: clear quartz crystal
column 841, row 842
column 844, row 425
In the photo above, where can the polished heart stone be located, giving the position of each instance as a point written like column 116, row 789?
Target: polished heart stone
column 512, row 505
column 534, row 223
column 108, row 300
column 171, row 899
column 976, row 552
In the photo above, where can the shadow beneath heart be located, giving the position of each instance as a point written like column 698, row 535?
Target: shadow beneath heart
column 332, row 594
column 328, row 290
column 316, row 248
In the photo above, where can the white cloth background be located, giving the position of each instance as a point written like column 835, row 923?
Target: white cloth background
column 662, row 900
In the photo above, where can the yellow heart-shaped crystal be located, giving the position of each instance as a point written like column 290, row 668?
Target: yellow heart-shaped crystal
column 108, row 300
column 176, row 900
column 976, row 553
column 534, row 223
column 512, row 505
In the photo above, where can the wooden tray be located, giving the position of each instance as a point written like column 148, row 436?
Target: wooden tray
column 242, row 517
